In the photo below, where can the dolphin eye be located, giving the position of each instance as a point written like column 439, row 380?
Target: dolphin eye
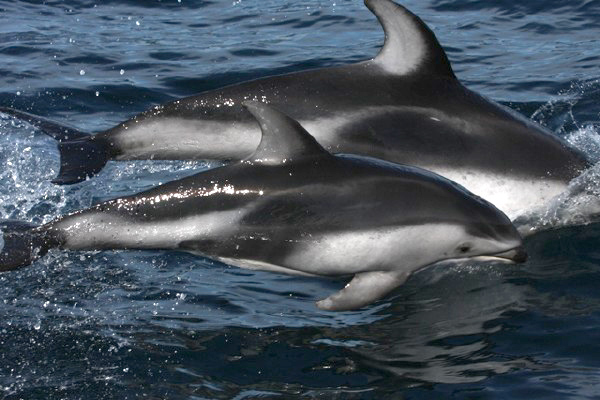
column 464, row 248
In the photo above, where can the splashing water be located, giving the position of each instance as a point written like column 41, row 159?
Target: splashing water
column 32, row 161
column 28, row 168
column 580, row 203
column 582, row 98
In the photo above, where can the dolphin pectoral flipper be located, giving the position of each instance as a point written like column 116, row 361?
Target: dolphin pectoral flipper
column 363, row 289
column 81, row 154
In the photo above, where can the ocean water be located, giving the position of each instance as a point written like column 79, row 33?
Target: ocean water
column 154, row 325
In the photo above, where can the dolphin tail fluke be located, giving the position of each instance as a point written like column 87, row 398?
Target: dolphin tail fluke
column 80, row 159
column 363, row 289
column 81, row 155
column 23, row 244
column 53, row 129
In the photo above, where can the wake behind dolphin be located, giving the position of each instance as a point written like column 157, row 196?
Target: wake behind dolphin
column 292, row 207
column 405, row 106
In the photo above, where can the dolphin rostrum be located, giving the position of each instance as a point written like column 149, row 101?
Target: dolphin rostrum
column 404, row 106
column 292, row 207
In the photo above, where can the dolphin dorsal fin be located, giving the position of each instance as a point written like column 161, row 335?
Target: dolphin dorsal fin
column 283, row 138
column 410, row 46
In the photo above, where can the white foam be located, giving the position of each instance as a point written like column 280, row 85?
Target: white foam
column 30, row 161
column 579, row 203
column 587, row 140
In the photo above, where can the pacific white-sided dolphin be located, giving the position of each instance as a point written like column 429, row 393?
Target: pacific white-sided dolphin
column 405, row 105
column 292, row 207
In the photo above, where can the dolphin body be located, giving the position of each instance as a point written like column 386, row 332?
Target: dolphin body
column 292, row 207
column 405, row 106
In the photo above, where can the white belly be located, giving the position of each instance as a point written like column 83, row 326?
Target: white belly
column 400, row 249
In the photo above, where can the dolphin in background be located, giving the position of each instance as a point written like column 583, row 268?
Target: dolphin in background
column 405, row 105
column 292, row 207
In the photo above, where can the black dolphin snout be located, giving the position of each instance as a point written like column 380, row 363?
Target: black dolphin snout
column 520, row 255
column 517, row 255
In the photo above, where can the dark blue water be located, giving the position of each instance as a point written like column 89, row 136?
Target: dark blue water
column 133, row 324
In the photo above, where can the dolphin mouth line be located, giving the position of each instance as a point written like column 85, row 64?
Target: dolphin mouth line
column 516, row 255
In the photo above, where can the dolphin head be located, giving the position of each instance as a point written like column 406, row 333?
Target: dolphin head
column 487, row 234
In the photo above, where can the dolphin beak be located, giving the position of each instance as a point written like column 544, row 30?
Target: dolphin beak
column 517, row 255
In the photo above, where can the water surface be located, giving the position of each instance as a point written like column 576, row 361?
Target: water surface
column 141, row 324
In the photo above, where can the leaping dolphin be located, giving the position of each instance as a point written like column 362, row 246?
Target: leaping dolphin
column 405, row 106
column 292, row 207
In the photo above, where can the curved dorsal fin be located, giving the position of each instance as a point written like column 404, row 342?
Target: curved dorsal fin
column 410, row 46
column 283, row 138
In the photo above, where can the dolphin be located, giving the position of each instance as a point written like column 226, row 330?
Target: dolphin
column 405, row 105
column 292, row 207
